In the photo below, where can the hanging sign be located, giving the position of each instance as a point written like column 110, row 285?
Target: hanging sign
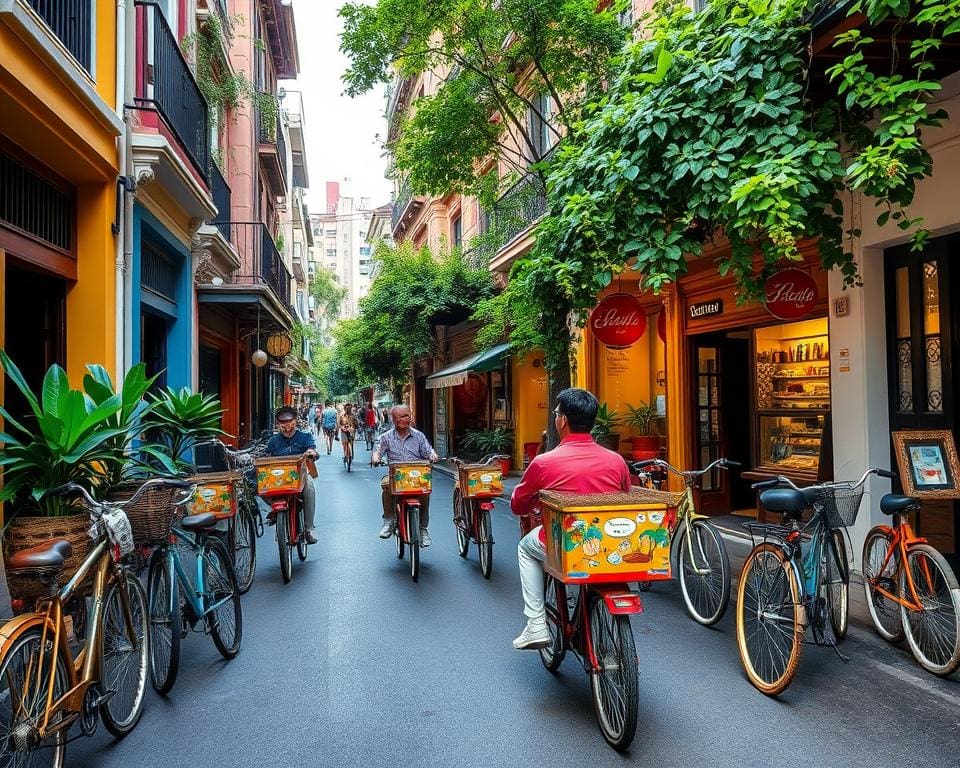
column 790, row 294
column 618, row 321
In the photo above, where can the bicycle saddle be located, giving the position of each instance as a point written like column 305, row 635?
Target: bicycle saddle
column 895, row 504
column 198, row 522
column 783, row 500
column 50, row 554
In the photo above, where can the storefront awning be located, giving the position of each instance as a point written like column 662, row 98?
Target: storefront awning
column 456, row 373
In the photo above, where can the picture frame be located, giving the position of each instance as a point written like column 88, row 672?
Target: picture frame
column 928, row 463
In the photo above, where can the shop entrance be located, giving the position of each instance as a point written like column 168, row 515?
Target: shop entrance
column 722, row 417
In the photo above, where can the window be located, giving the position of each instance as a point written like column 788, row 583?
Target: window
column 364, row 250
column 540, row 131
column 316, row 231
column 331, row 253
column 456, row 234
column 331, row 233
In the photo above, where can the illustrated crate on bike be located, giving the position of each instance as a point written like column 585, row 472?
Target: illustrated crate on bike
column 605, row 537
column 216, row 493
column 479, row 481
column 285, row 474
column 411, row 477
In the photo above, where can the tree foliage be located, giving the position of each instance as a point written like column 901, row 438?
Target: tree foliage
column 327, row 293
column 496, row 56
column 413, row 290
column 707, row 129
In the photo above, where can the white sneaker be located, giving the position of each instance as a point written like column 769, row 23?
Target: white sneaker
column 425, row 540
column 534, row 636
column 387, row 530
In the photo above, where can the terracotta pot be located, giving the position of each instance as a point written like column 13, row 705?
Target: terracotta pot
column 645, row 447
column 505, row 465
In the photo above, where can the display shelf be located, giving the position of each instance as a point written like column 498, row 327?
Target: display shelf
column 804, row 376
column 801, row 397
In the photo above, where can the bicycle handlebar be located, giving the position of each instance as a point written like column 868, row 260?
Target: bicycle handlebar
column 781, row 480
column 69, row 489
column 690, row 473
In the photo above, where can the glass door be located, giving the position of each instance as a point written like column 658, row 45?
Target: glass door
column 707, row 409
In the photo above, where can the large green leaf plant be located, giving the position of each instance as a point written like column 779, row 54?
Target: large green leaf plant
column 181, row 419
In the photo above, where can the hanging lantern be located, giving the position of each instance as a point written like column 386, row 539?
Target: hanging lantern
column 259, row 358
column 279, row 345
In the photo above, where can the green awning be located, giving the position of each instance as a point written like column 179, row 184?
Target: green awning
column 456, row 373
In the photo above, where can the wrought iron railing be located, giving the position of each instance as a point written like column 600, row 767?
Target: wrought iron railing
column 221, row 198
column 165, row 81
column 262, row 263
column 72, row 22
column 282, row 148
column 515, row 210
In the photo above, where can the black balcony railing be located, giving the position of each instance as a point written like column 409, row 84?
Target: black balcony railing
column 403, row 199
column 72, row 23
column 262, row 263
column 165, row 81
column 515, row 210
column 221, row 199
column 282, row 148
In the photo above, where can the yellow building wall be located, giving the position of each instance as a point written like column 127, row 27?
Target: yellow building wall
column 530, row 406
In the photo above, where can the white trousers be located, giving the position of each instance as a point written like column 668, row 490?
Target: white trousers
column 531, row 554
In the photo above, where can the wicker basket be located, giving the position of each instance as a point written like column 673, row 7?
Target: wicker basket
column 152, row 515
column 25, row 532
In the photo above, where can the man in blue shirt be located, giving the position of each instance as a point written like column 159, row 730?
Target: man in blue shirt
column 290, row 441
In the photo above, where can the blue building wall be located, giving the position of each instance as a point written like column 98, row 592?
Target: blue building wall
column 178, row 314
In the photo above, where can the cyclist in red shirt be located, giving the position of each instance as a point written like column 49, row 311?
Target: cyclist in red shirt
column 576, row 465
column 370, row 425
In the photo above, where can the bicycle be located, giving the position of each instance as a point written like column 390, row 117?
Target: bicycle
column 44, row 687
column 796, row 577
column 280, row 480
column 592, row 619
column 211, row 601
column 474, row 490
column 410, row 481
column 911, row 590
column 703, row 566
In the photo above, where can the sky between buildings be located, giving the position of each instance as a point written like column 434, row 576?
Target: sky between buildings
column 343, row 135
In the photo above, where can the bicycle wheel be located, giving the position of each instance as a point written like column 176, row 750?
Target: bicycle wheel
column 555, row 606
column 124, row 663
column 933, row 633
column 413, row 532
column 616, row 684
column 704, row 572
column 163, row 597
column 769, row 619
column 485, row 544
column 284, row 546
column 243, row 542
column 23, row 701
column 461, row 513
column 837, row 584
column 884, row 611
column 301, row 535
column 220, row 582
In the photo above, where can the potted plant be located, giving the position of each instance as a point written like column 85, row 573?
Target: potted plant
column 643, row 418
column 487, row 441
column 607, row 420
column 179, row 420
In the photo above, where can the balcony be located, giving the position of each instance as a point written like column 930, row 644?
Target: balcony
column 273, row 151
column 165, row 83
column 514, row 214
column 72, row 22
column 221, row 199
column 405, row 208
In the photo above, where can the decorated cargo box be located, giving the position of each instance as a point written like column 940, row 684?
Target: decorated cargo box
column 606, row 537
column 280, row 474
column 215, row 492
column 478, row 481
column 411, row 477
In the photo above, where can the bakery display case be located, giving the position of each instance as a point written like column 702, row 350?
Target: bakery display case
column 791, row 444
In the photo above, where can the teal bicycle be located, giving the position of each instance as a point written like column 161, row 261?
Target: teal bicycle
column 210, row 603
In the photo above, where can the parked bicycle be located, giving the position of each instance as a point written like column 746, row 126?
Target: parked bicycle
column 45, row 685
column 280, row 480
column 210, row 602
column 797, row 576
column 702, row 563
column 911, row 590
column 410, row 483
column 475, row 488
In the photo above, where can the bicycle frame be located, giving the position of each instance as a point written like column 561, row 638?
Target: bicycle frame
column 402, row 506
column 902, row 538
column 192, row 592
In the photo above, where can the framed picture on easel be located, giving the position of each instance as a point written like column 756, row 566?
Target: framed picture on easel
column 928, row 463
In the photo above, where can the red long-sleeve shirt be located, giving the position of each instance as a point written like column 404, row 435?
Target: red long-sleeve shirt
column 577, row 465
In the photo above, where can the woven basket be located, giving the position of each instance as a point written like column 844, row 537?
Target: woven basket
column 25, row 532
column 152, row 515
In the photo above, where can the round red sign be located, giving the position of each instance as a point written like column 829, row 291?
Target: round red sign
column 790, row 294
column 618, row 321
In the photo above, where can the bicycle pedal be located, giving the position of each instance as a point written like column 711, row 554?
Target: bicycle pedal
column 102, row 699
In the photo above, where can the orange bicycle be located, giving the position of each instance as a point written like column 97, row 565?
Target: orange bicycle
column 911, row 589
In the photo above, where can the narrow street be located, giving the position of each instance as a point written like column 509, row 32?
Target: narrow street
column 352, row 664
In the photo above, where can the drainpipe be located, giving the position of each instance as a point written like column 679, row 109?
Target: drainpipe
column 127, row 49
column 119, row 256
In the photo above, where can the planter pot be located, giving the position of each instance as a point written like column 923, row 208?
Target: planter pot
column 611, row 441
column 26, row 531
column 645, row 447
column 505, row 466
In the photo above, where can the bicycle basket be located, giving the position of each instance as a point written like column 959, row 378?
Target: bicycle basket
column 838, row 503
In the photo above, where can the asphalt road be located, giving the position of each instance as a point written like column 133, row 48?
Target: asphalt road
column 352, row 664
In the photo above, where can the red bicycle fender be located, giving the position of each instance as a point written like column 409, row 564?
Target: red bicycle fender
column 486, row 505
column 620, row 601
column 279, row 506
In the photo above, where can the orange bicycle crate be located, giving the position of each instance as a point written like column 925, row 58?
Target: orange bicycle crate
column 280, row 474
column 605, row 537
column 480, row 481
column 411, row 477
column 216, row 492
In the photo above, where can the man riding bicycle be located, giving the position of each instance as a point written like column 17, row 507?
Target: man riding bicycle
column 403, row 443
column 328, row 423
column 576, row 465
column 290, row 441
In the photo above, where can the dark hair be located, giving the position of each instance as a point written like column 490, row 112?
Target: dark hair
column 285, row 409
column 329, row 402
column 580, row 408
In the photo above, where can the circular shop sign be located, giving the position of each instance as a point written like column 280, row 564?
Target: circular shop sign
column 790, row 294
column 618, row 321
